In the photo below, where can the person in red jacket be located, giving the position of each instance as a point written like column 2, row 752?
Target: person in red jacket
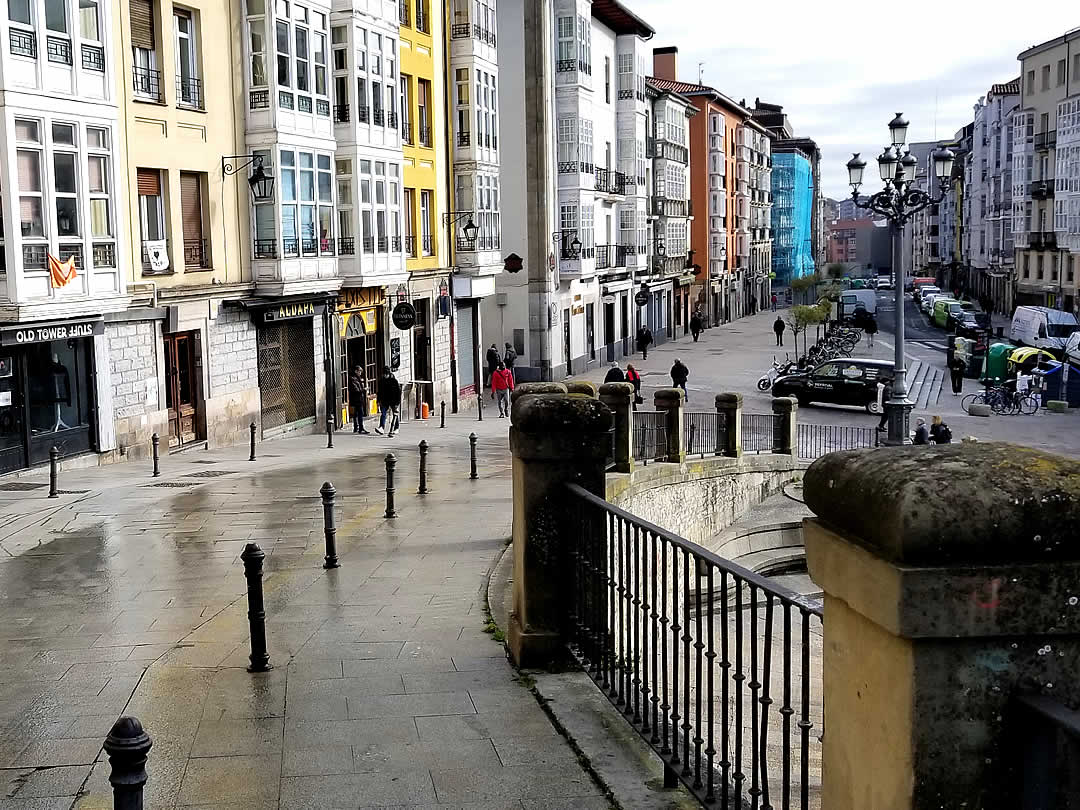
column 502, row 383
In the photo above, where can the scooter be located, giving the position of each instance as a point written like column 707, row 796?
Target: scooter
column 766, row 380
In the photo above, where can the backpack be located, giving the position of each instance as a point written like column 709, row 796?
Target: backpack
column 944, row 435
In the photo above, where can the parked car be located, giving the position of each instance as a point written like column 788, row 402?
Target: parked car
column 1043, row 328
column 844, row 381
column 850, row 300
column 926, row 302
column 970, row 324
column 923, row 290
column 945, row 309
column 884, row 282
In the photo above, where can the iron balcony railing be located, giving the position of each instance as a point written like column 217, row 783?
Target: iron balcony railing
column 147, row 83
column 1045, row 240
column 259, row 99
column 395, row 244
column 460, row 31
column 346, row 246
column 608, row 181
column 382, row 244
column 392, row 119
column 425, row 135
column 650, row 436
column 189, row 93
column 196, row 254
column 1045, row 140
column 403, row 12
column 22, row 43
column 463, row 138
column 341, row 113
column 93, row 58
column 1042, row 189
column 410, row 245
column 704, row 432
column 710, row 662
column 815, row 441
column 604, row 256
column 104, row 254
column 265, row 249
column 377, row 118
column 406, row 132
column 427, row 244
column 757, row 432
column 58, row 49
column 369, row 244
column 363, row 114
column 290, row 247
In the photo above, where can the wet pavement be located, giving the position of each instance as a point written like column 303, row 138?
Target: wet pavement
column 129, row 598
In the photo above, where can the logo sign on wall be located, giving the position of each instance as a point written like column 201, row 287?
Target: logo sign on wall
column 404, row 315
column 642, row 298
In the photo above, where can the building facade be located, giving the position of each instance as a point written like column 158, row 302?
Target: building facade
column 793, row 214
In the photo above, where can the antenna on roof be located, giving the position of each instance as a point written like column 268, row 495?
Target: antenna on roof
column 700, row 68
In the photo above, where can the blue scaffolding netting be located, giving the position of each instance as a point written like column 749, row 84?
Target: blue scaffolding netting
column 793, row 198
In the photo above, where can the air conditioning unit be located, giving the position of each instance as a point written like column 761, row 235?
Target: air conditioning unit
column 501, row 299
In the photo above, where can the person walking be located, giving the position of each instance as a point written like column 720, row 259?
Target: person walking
column 634, row 379
column 778, row 327
column 774, row 302
column 679, row 375
column 870, row 329
column 957, row 367
column 753, row 305
column 695, row 325
column 502, row 383
column 493, row 360
column 644, row 340
column 509, row 358
column 614, row 374
column 922, row 435
column 885, row 391
column 358, row 398
column 389, row 399
column 939, row 431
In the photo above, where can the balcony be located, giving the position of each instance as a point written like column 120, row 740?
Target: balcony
column 460, row 31
column 392, row 119
column 22, row 43
column 403, row 12
column 463, row 138
column 265, row 249
column 93, row 58
column 369, row 244
column 425, row 135
column 310, row 247
column 189, row 93
column 410, row 245
column 341, row 113
column 147, row 83
column 346, row 246
column 670, row 207
column 427, row 245
column 610, row 182
column 363, row 114
column 58, row 49
column 195, row 254
column 406, row 132
column 1046, row 140
column 259, row 99
column 1042, row 189
column 1044, row 240
column 422, row 24
column 378, row 119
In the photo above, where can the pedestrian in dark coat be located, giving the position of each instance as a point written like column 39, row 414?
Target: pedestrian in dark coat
column 614, row 374
column 922, row 436
column 509, row 358
column 358, row 398
column 389, row 399
column 870, row 329
column 778, row 327
column 679, row 375
column 939, row 431
column 644, row 340
column 956, row 371
column 493, row 360
column 695, row 326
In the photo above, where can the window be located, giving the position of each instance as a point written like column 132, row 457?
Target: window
column 320, row 64
column 151, row 212
column 461, row 77
column 29, row 158
column 89, row 20
column 1031, row 81
column 257, row 45
column 410, row 230
column 607, row 80
column 302, row 62
column 588, row 239
column 308, row 244
column 626, row 75
column 65, row 184
column 284, row 73
column 56, row 16
column 1076, row 67
column 192, row 185
column 188, row 86
column 1060, row 72
column 325, row 186
column 566, row 47
column 1045, row 85
column 146, row 78
column 423, row 94
column 19, row 11
column 427, row 246
column 99, row 179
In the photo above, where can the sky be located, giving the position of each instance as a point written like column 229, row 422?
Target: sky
column 838, row 81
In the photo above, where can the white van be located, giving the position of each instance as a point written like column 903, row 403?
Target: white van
column 850, row 299
column 1042, row 328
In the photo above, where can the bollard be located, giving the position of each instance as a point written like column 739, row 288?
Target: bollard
column 442, row 414
column 253, row 557
column 472, row 457
column 54, row 467
column 390, row 462
column 155, row 441
column 480, row 406
column 330, row 433
column 127, row 746
column 252, row 429
column 422, row 489
column 329, row 529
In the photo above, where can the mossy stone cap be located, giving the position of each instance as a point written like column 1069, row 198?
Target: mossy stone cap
column 581, row 387
column 525, row 389
column 561, row 414
column 971, row 504
column 668, row 394
column 728, row 399
column 619, row 390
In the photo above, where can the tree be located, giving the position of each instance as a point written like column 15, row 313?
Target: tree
column 799, row 319
column 804, row 285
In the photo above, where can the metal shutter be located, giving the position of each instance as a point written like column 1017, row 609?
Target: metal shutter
column 464, row 326
column 149, row 182
column 191, row 206
column 142, row 23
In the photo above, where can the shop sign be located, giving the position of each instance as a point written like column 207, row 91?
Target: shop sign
column 404, row 315
column 71, row 330
column 642, row 298
column 355, row 298
column 288, row 312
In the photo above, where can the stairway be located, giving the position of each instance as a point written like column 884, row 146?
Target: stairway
column 924, row 384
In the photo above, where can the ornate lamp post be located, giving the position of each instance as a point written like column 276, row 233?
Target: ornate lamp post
column 898, row 202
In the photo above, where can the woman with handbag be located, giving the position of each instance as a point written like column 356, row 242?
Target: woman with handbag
column 634, row 379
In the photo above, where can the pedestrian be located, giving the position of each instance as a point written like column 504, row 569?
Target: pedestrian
column 753, row 304
column 939, row 431
column 509, row 358
column 634, row 379
column 957, row 367
column 870, row 329
column 679, row 374
column 695, row 326
column 502, row 383
column 774, row 302
column 358, row 398
column 493, row 359
column 884, row 392
column 644, row 340
column 388, row 397
column 614, row 374
column 778, row 327
column 922, row 436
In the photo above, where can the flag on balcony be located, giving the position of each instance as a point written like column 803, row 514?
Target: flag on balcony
column 61, row 273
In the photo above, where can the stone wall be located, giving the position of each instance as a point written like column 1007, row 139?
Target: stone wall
column 699, row 499
column 233, row 401
column 133, row 361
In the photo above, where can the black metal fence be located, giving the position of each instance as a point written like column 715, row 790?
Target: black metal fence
column 710, row 662
column 814, row 441
column 757, row 432
column 704, row 433
column 650, row 435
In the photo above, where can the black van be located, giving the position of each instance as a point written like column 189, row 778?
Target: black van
column 843, row 381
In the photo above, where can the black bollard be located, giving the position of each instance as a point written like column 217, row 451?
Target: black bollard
column 127, row 746
column 253, row 557
column 329, row 529
column 422, row 489
column 54, row 469
column 252, row 429
column 390, row 462
column 472, row 457
column 480, row 406
column 329, row 432
column 442, row 414
column 156, row 442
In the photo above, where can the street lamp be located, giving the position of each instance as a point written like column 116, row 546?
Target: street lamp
column 898, row 201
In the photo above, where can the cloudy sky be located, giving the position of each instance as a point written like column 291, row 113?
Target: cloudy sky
column 838, row 80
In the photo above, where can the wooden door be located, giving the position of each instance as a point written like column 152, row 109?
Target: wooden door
column 182, row 388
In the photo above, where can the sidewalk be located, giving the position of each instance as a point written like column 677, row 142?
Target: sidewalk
column 128, row 598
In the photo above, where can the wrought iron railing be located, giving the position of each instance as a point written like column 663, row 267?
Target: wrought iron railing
column 189, row 93
column 341, row 113
column 363, row 113
column 265, row 249
column 58, row 49
column 93, row 58
column 104, row 254
column 195, row 253
column 410, row 245
column 290, row 247
column 463, row 138
column 403, row 12
column 377, row 118
column 610, row 182
column 704, row 432
column 406, row 132
column 147, row 83
column 259, row 99
column 814, row 441
column 460, row 31
column 650, row 435
column 425, row 135
column 710, row 662
column 391, row 119
column 22, row 43
column 604, row 256
column 346, row 246
column 427, row 244
column 757, row 432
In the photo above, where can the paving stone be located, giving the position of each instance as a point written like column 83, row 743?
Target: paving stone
column 349, row 791
column 231, row 779
column 238, row 736
column 44, row 782
column 511, row 782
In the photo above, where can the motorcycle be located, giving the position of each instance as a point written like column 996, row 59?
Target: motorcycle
column 766, row 380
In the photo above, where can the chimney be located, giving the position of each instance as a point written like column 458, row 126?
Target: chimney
column 663, row 60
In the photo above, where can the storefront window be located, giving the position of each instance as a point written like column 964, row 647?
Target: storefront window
column 57, row 381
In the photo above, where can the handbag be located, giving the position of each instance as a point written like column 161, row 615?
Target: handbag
column 638, row 399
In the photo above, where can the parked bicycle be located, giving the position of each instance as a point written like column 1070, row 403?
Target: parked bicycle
column 1003, row 400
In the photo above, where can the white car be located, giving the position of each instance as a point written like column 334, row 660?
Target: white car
column 884, row 282
column 926, row 302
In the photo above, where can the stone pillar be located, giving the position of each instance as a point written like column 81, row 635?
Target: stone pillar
column 619, row 397
column 553, row 440
column 951, row 577
column 581, row 387
column 527, row 389
column 729, row 406
column 670, row 400
column 785, row 412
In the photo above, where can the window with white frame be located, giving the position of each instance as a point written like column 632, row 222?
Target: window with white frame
column 566, row 44
column 306, row 203
column 256, row 36
column 99, row 186
column 568, row 143
column 586, row 135
column 627, row 226
column 343, row 177
column 65, row 158
column 568, row 227
column 28, row 139
column 626, row 75
column 427, row 241
column 588, row 237
column 584, row 45
column 189, row 87
column 461, row 103
column 300, row 43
